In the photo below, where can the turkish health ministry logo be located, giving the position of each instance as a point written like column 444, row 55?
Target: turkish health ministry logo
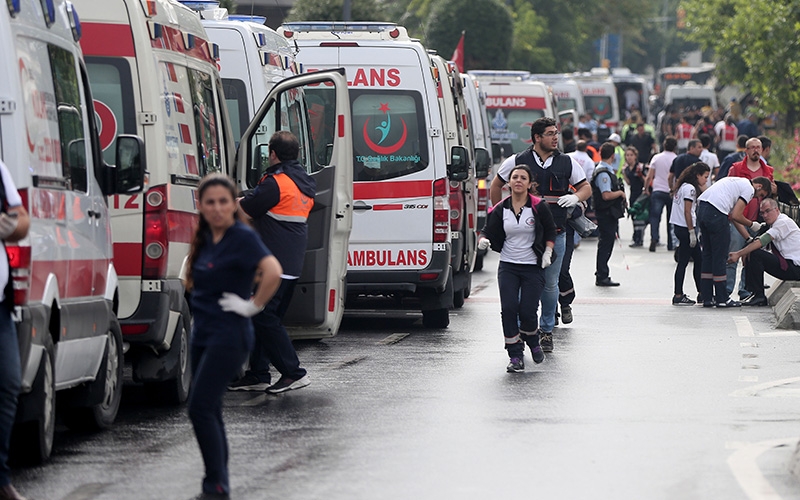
column 385, row 128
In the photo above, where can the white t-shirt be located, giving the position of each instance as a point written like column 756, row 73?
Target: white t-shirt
column 724, row 193
column 585, row 161
column 660, row 164
column 685, row 192
column 786, row 238
column 14, row 200
column 577, row 175
column 709, row 159
column 520, row 234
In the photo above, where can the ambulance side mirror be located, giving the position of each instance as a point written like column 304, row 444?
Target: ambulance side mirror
column 482, row 163
column 131, row 165
column 458, row 170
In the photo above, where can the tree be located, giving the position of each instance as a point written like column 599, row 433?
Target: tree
column 756, row 46
column 528, row 52
column 488, row 27
column 331, row 10
column 228, row 4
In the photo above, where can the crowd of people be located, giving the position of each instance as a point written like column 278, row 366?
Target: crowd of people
column 708, row 169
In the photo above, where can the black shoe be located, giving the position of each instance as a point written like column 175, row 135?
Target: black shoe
column 516, row 365
column 683, row 300
column 546, row 341
column 755, row 301
column 248, row 383
column 566, row 314
column 288, row 384
column 728, row 304
column 636, row 244
column 653, row 246
column 606, row 282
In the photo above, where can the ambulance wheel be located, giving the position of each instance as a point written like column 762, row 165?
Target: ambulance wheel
column 32, row 441
column 101, row 415
column 436, row 318
column 478, row 262
column 176, row 391
column 458, row 298
column 468, row 288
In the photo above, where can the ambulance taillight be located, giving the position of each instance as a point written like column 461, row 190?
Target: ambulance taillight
column 155, row 233
column 19, row 263
column 441, row 211
column 456, row 206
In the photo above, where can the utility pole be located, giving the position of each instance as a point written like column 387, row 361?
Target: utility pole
column 346, row 15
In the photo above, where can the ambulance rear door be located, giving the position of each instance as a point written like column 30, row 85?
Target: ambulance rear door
column 326, row 150
column 511, row 110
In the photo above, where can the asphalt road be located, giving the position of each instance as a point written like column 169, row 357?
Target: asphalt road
column 640, row 400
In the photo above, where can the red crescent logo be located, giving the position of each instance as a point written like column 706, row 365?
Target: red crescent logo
column 108, row 123
column 387, row 150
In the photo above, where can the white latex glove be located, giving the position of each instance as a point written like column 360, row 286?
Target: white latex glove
column 483, row 243
column 692, row 239
column 547, row 257
column 756, row 226
column 230, row 302
column 568, row 200
column 7, row 225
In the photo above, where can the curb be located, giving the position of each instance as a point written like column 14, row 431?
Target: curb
column 784, row 297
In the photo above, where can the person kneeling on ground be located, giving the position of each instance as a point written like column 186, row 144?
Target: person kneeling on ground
column 783, row 262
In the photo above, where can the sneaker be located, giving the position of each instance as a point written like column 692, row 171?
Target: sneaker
column 636, row 244
column 683, row 300
column 566, row 314
column 248, row 383
column 653, row 246
column 537, row 354
column 709, row 304
column 288, row 384
column 546, row 341
column 729, row 303
column 515, row 365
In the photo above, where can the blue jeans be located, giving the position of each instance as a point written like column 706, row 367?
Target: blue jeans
column 520, row 290
column 716, row 236
column 550, row 294
column 273, row 344
column 659, row 200
column 10, row 381
column 212, row 370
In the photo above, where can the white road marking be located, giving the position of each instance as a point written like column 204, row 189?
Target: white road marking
column 748, row 378
column 748, row 344
column 744, row 466
column 743, row 326
column 753, row 390
column 393, row 339
column 780, row 333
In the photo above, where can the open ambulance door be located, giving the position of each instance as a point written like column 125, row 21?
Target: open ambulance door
column 316, row 108
column 568, row 119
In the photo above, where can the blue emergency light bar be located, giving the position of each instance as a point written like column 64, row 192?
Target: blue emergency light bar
column 244, row 18
column 327, row 26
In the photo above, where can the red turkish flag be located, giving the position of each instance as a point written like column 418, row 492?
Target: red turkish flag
column 458, row 54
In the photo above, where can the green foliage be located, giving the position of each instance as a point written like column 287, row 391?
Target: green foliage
column 228, row 4
column 756, row 46
column 488, row 27
column 528, row 52
column 331, row 10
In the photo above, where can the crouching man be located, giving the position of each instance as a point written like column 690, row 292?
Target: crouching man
column 782, row 262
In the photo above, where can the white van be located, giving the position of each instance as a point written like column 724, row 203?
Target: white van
column 691, row 95
column 400, row 247
column 159, row 79
column 65, row 283
column 600, row 100
column 513, row 103
column 632, row 90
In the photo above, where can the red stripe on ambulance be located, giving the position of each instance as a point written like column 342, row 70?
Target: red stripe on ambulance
column 384, row 189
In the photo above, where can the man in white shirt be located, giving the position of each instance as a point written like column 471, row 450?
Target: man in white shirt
column 657, row 181
column 784, row 236
column 582, row 157
column 723, row 200
column 707, row 156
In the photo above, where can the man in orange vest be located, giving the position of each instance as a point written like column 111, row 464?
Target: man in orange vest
column 279, row 207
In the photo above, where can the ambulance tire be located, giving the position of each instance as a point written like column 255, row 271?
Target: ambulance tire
column 32, row 441
column 436, row 318
column 175, row 391
column 468, row 288
column 458, row 298
column 478, row 262
column 101, row 415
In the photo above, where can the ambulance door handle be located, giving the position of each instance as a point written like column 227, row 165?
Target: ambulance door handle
column 92, row 213
column 360, row 205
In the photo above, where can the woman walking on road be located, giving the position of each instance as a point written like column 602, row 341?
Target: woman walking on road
column 224, row 258
column 634, row 176
column 522, row 229
column 691, row 183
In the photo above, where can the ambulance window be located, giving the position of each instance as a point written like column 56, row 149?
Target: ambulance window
column 205, row 121
column 389, row 134
column 599, row 106
column 321, row 102
column 511, row 127
column 295, row 120
column 70, row 117
column 565, row 103
column 236, row 98
column 111, row 83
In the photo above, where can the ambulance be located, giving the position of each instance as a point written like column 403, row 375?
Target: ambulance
column 600, row 99
column 159, row 80
column 513, row 103
column 65, row 284
column 253, row 60
column 464, row 193
column 400, row 247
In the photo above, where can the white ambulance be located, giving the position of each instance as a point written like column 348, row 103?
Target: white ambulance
column 600, row 100
column 65, row 285
column 159, row 79
column 253, row 59
column 513, row 103
column 400, row 247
